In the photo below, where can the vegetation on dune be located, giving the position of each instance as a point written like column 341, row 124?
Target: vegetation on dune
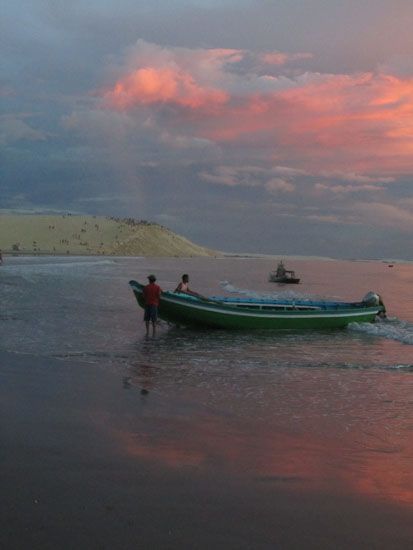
column 92, row 235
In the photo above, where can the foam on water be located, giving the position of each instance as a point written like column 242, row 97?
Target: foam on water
column 391, row 328
column 51, row 266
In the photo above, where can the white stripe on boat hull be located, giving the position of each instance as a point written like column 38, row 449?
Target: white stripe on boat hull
column 264, row 314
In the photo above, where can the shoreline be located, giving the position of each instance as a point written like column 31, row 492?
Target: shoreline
column 219, row 255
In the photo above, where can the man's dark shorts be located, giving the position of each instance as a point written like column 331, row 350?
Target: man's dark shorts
column 151, row 314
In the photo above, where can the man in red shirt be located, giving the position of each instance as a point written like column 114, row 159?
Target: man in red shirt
column 151, row 295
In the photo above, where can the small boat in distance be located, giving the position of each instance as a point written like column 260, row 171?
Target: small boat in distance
column 265, row 313
column 282, row 275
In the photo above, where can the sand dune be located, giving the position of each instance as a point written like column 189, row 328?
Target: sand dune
column 92, row 235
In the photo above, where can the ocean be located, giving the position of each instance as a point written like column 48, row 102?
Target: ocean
column 311, row 425
column 82, row 307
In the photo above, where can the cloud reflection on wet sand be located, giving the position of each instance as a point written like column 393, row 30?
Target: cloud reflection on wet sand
column 250, row 450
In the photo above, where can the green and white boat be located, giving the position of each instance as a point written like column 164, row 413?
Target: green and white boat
column 240, row 313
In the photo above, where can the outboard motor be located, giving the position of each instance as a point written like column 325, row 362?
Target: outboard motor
column 371, row 299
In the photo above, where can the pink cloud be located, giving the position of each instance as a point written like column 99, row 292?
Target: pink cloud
column 152, row 75
column 329, row 122
column 150, row 85
column 359, row 124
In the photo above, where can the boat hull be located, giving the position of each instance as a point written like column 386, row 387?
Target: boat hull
column 284, row 280
column 180, row 310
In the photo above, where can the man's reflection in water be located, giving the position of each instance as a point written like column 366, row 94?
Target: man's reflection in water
column 141, row 376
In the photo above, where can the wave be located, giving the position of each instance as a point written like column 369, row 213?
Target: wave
column 79, row 263
column 58, row 265
column 391, row 328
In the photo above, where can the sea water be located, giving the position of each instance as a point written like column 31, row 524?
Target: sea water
column 322, row 410
column 84, row 307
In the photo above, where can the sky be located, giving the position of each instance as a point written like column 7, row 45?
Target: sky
column 263, row 126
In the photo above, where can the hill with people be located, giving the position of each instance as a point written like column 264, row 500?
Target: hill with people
column 92, row 235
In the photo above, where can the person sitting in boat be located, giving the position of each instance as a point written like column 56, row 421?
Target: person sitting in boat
column 184, row 286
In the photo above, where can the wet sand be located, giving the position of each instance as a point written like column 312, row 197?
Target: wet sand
column 88, row 460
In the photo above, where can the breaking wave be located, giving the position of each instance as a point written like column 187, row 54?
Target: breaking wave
column 391, row 328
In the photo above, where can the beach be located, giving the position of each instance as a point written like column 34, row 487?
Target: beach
column 199, row 439
column 75, row 474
